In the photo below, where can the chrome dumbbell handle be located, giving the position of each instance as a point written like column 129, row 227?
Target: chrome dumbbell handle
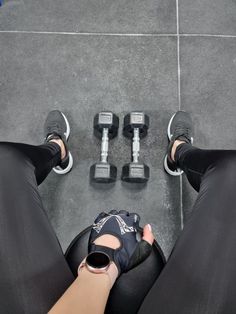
column 104, row 145
column 136, row 145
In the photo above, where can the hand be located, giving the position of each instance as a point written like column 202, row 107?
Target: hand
column 115, row 234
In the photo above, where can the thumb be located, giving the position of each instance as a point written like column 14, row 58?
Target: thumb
column 147, row 234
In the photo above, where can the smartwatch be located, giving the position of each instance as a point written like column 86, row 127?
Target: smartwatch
column 96, row 262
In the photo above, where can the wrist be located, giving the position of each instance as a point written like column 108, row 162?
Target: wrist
column 112, row 272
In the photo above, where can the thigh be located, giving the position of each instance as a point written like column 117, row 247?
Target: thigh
column 33, row 270
column 43, row 157
column 200, row 274
column 195, row 161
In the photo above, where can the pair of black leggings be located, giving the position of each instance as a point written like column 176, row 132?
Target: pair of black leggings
column 33, row 270
column 199, row 276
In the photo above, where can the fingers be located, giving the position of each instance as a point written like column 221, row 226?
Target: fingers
column 142, row 251
column 147, row 234
column 124, row 212
column 136, row 217
column 100, row 216
column 113, row 212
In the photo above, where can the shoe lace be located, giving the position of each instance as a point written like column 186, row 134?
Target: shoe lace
column 181, row 130
column 54, row 127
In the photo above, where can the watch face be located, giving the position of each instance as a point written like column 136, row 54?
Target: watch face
column 97, row 259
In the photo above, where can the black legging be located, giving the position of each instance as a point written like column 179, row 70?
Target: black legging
column 33, row 270
column 200, row 274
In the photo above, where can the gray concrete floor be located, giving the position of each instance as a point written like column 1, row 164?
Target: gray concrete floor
column 85, row 56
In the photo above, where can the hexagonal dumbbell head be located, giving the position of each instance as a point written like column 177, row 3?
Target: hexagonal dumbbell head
column 103, row 172
column 136, row 120
column 106, row 119
column 135, row 172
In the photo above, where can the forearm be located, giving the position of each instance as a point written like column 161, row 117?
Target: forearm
column 88, row 294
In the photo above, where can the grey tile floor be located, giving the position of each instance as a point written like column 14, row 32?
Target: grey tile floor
column 85, row 56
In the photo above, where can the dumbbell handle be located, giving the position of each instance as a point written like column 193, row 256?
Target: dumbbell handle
column 104, row 145
column 136, row 145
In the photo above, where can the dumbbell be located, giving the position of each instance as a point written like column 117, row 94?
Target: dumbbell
column 136, row 125
column 106, row 126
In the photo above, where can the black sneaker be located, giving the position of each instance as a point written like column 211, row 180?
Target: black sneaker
column 180, row 127
column 57, row 127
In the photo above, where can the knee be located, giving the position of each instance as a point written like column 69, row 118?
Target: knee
column 15, row 168
column 8, row 152
column 10, row 157
column 227, row 165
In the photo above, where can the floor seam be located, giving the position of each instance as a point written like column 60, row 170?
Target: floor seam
column 178, row 52
column 179, row 106
column 178, row 35
column 92, row 34
column 208, row 35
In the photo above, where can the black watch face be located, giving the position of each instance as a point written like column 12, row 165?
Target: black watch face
column 97, row 259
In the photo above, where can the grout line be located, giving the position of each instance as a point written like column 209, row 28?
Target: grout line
column 179, row 104
column 123, row 34
column 178, row 51
column 177, row 17
column 91, row 34
column 181, row 203
column 178, row 61
column 207, row 35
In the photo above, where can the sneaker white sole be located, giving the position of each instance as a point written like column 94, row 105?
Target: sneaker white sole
column 178, row 172
column 67, row 134
column 58, row 169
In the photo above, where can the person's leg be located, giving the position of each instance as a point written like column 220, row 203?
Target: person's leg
column 33, row 270
column 43, row 157
column 195, row 161
column 200, row 274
